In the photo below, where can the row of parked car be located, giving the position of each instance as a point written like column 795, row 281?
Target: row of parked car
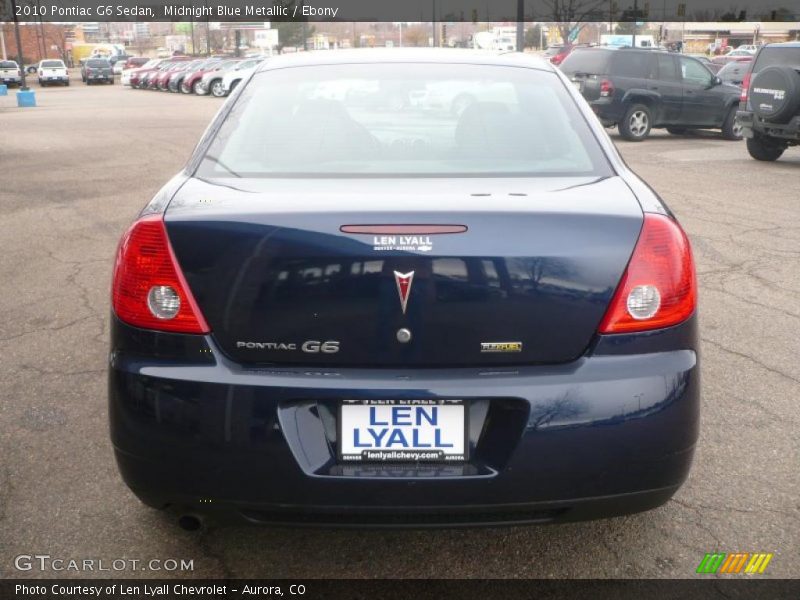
column 215, row 76
column 638, row 90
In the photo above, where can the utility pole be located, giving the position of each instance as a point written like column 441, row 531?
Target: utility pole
column 23, row 84
column 3, row 41
column 520, row 25
column 208, row 31
column 194, row 48
column 635, row 21
column 41, row 29
column 435, row 27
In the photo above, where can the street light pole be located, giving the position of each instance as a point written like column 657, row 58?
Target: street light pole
column 23, row 84
column 433, row 19
column 520, row 25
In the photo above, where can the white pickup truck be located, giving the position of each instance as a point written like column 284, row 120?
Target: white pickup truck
column 10, row 73
column 52, row 71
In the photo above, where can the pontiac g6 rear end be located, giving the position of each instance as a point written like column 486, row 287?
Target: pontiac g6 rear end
column 352, row 308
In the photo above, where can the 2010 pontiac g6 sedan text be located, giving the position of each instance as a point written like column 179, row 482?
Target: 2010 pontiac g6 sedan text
column 405, row 288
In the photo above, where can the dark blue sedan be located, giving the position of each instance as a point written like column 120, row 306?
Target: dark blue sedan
column 404, row 288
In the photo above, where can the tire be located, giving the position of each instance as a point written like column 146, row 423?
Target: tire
column 185, row 88
column 66, row 83
column 731, row 129
column 775, row 94
column 761, row 148
column 216, row 89
column 635, row 125
column 676, row 130
column 196, row 87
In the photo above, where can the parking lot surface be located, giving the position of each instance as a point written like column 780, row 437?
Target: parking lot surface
column 78, row 168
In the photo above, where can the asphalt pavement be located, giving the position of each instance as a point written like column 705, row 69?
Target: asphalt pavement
column 76, row 170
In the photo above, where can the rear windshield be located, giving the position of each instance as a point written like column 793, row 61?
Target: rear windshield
column 97, row 63
column 590, row 62
column 404, row 120
column 8, row 64
column 52, row 64
column 777, row 56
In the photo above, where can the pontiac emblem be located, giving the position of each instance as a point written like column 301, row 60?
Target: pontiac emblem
column 403, row 281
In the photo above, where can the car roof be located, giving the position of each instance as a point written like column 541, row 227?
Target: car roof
column 406, row 55
column 783, row 45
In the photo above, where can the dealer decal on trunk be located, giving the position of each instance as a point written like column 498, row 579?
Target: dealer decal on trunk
column 403, row 243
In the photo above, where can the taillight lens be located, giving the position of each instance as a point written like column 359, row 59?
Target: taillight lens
column 659, row 287
column 149, row 290
column 606, row 88
column 745, row 88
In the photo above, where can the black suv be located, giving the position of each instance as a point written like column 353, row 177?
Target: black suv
column 94, row 70
column 770, row 109
column 641, row 89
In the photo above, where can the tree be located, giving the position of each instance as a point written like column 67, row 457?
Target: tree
column 533, row 37
column 571, row 16
column 291, row 33
column 625, row 28
column 416, row 35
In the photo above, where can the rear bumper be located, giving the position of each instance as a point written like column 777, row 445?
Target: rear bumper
column 752, row 124
column 609, row 434
column 607, row 111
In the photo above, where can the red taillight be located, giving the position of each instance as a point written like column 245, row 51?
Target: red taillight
column 606, row 88
column 745, row 88
column 659, row 287
column 149, row 289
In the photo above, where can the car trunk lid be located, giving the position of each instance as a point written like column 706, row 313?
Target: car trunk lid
column 523, row 277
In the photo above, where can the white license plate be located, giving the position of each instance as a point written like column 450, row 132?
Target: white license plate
column 403, row 431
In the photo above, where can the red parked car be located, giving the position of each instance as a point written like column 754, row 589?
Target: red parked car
column 135, row 61
column 192, row 80
column 557, row 54
column 140, row 78
column 152, row 65
column 161, row 80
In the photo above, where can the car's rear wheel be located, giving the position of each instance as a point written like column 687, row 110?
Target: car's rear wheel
column 762, row 148
column 676, row 130
column 635, row 125
column 731, row 128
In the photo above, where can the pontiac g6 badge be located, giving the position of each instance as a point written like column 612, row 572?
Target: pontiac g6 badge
column 403, row 281
column 501, row 346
